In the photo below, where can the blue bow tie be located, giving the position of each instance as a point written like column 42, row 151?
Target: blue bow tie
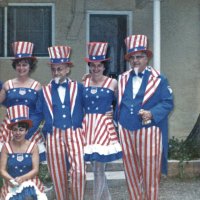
column 56, row 85
column 140, row 74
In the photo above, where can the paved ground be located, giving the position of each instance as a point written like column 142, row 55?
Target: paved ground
column 170, row 189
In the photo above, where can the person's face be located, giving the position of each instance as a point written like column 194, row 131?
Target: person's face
column 18, row 132
column 138, row 60
column 60, row 71
column 22, row 68
column 96, row 68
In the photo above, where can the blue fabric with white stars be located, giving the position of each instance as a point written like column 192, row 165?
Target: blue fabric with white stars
column 97, row 99
column 19, row 164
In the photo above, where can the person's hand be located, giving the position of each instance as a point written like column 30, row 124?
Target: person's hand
column 13, row 183
column 19, row 180
column 145, row 115
column 85, row 76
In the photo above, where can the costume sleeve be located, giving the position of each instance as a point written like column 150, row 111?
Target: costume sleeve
column 40, row 106
column 165, row 103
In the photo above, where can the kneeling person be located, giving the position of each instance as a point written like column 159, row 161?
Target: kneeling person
column 20, row 160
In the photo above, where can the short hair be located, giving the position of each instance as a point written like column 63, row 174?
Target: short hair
column 30, row 61
column 105, row 63
column 23, row 125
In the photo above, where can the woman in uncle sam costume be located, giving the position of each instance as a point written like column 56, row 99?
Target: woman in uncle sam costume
column 60, row 103
column 22, row 90
column 144, row 103
column 20, row 160
column 102, row 144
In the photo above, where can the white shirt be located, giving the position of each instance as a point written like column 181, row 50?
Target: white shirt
column 61, row 93
column 136, row 83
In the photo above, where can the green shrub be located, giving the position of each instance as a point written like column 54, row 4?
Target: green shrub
column 183, row 150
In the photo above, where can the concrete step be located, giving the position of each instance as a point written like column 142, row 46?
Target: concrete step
column 110, row 166
column 118, row 175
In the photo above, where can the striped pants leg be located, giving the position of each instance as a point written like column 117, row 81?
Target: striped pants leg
column 64, row 146
column 142, row 150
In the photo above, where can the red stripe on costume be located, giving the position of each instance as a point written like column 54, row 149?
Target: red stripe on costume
column 91, row 51
column 151, row 88
column 98, row 49
column 62, row 166
column 129, row 170
column 52, row 167
column 47, row 95
column 57, row 143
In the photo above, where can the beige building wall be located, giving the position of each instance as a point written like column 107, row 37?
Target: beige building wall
column 180, row 47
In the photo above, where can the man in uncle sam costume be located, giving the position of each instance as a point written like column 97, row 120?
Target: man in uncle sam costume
column 61, row 105
column 144, row 103
column 20, row 160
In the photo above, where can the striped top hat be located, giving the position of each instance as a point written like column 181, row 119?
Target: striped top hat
column 18, row 113
column 135, row 44
column 23, row 50
column 97, row 52
column 59, row 54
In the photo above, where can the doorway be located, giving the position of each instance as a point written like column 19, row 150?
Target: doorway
column 111, row 27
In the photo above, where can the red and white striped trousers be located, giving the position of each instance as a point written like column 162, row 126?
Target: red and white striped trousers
column 63, row 145
column 142, row 151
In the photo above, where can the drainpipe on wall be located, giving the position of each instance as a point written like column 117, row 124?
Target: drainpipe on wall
column 156, row 34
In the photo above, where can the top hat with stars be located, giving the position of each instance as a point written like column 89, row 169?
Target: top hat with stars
column 23, row 50
column 18, row 113
column 59, row 55
column 97, row 52
column 135, row 44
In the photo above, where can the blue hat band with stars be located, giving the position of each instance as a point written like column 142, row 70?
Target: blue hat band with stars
column 23, row 55
column 60, row 60
column 141, row 48
column 18, row 119
column 97, row 58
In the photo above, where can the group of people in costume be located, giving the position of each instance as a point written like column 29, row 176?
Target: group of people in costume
column 79, row 124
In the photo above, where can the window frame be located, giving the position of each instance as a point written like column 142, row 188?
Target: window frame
column 27, row 5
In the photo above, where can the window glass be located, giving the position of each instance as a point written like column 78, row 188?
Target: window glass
column 30, row 23
column 1, row 32
column 111, row 29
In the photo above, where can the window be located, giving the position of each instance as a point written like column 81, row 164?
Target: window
column 28, row 23
column 1, row 31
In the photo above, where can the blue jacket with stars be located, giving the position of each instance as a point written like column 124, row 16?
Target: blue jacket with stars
column 155, row 95
column 61, row 115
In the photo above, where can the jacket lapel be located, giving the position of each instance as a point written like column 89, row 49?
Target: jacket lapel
column 122, row 84
column 152, row 84
column 73, row 89
column 48, row 98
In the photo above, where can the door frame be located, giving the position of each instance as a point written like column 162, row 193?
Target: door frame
column 99, row 12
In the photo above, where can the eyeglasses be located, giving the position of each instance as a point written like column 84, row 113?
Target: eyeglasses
column 58, row 69
column 138, row 57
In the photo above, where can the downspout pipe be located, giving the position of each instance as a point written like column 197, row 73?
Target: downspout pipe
column 156, row 34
